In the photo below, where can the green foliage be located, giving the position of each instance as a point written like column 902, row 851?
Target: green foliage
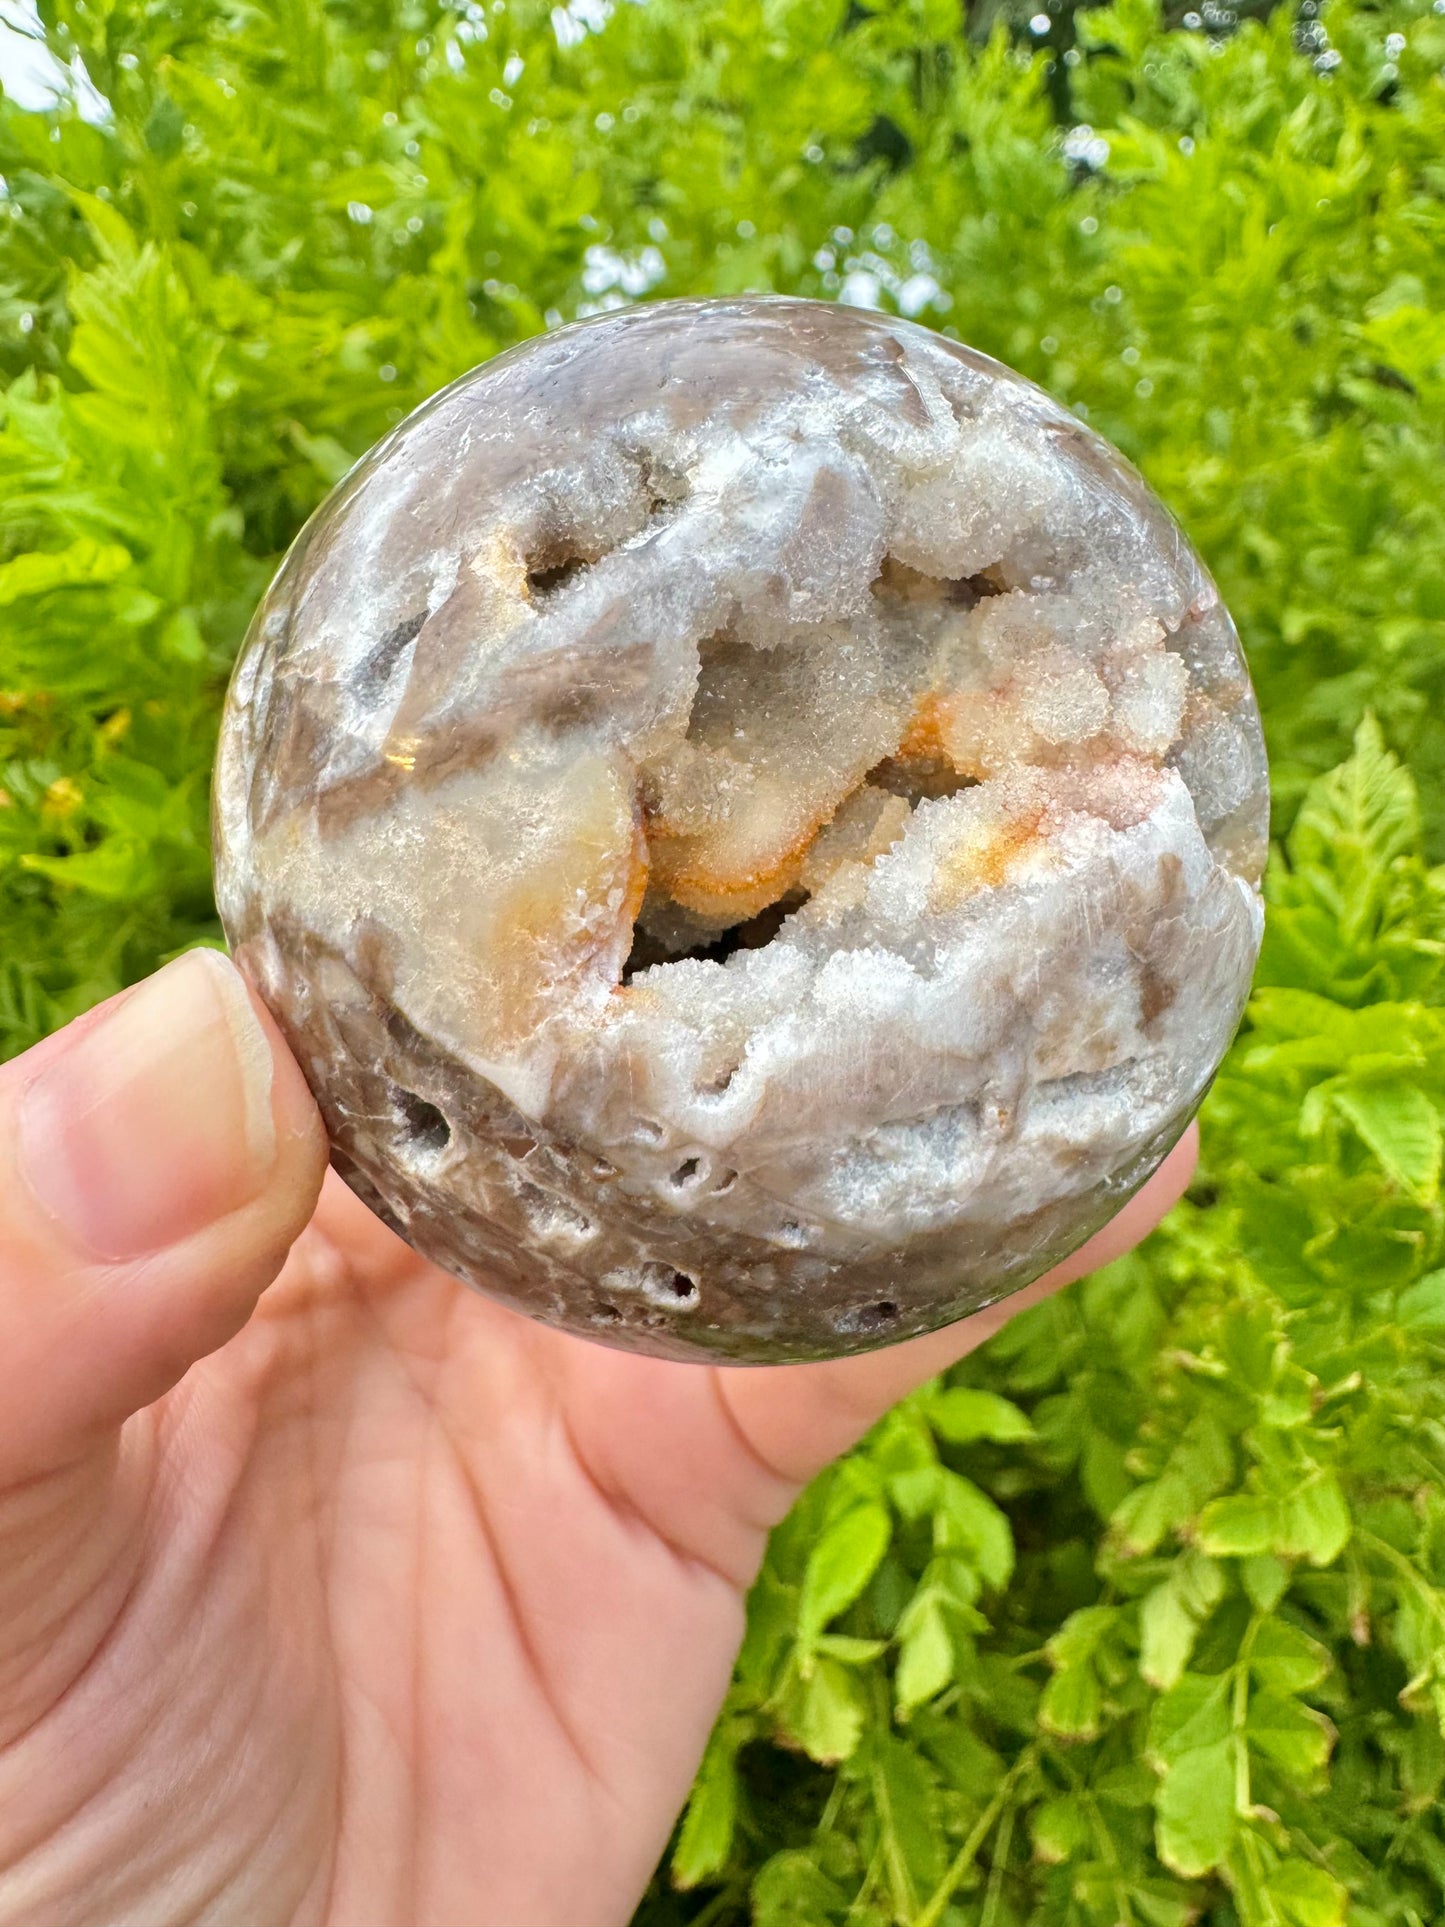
column 1141, row 1617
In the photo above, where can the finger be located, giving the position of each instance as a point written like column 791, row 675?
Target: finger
column 157, row 1160
column 800, row 1417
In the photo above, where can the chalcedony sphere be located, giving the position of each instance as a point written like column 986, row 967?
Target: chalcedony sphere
column 750, row 817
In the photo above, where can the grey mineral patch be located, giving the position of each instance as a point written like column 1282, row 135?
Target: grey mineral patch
column 750, row 816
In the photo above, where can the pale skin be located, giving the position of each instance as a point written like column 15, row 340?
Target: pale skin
column 329, row 1590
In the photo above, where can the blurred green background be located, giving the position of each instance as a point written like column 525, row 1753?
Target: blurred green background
column 1142, row 1618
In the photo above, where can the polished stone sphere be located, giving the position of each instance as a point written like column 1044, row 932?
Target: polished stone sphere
column 750, row 817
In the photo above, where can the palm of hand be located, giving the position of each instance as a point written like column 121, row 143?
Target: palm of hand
column 389, row 1631
column 399, row 1608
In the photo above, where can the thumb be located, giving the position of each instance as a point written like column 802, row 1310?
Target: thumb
column 157, row 1160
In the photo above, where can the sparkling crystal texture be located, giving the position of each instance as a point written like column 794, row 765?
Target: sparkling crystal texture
column 750, row 816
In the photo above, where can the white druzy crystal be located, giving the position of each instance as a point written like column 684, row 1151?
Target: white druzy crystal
column 750, row 816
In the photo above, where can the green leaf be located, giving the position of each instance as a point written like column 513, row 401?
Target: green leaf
column 1401, row 1126
column 1081, row 1634
column 1059, row 1829
column 1421, row 1306
column 1312, row 1522
column 851, row 1651
column 1162, row 1905
column 113, row 234
column 181, row 637
column 1073, row 1703
column 826, row 1712
column 968, row 1520
column 962, row 1414
column 1265, row 1579
column 791, row 1890
column 1128, row 27
column 1199, row 1464
column 906, row 1805
column 84, row 562
column 117, row 869
column 1193, row 1714
column 917, row 1490
column 1129, row 1786
column 1242, row 1523
column 1295, row 1737
column 1286, row 1660
column 1357, row 821
column 925, row 1654
column 1309, row 1896
column 325, row 454
column 1195, row 1814
column 1170, row 1617
column 840, row 1565
column 1316, row 1521
column 706, row 1839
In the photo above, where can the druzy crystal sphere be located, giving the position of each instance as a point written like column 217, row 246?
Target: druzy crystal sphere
column 750, row 817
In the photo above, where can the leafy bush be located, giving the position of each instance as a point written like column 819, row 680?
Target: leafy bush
column 1141, row 1617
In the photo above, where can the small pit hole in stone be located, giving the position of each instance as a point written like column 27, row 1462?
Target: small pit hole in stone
column 686, row 1172
column 756, row 931
column 660, row 1285
column 425, row 1125
column 725, row 1182
column 719, row 1082
column 896, row 582
column 751, row 934
column 648, row 1130
column 606, row 1315
column 919, row 778
column 645, row 952
column 555, row 566
column 544, row 582
column 877, row 1317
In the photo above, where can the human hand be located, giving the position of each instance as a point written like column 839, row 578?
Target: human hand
column 349, row 1597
